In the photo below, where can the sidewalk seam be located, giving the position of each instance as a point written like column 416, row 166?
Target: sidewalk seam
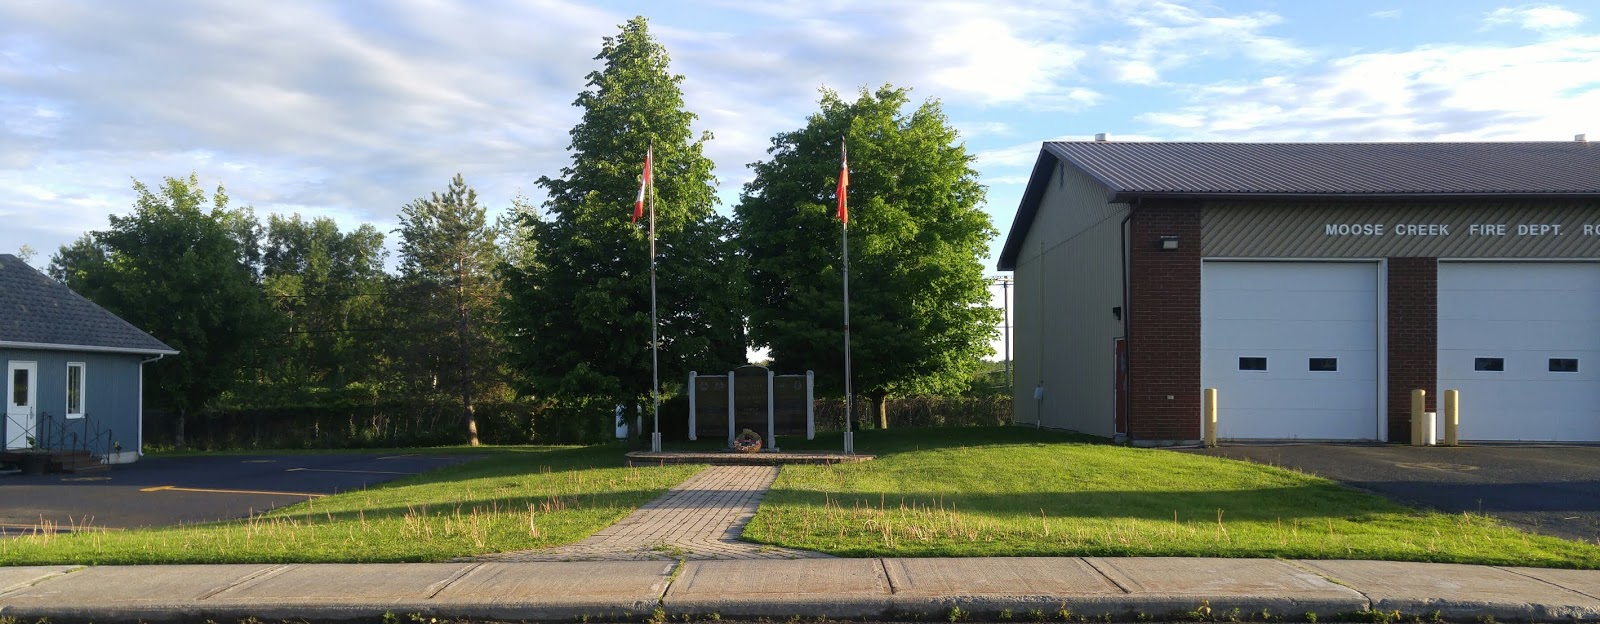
column 883, row 564
column 26, row 585
column 445, row 584
column 672, row 577
column 263, row 573
column 1324, row 576
column 1090, row 562
column 1550, row 583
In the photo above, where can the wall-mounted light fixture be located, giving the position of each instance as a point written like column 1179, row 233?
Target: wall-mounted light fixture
column 1116, row 312
column 1169, row 243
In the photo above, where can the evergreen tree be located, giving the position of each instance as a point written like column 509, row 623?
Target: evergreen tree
column 449, row 295
column 580, row 315
column 919, row 304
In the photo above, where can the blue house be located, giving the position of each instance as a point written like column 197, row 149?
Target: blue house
column 74, row 372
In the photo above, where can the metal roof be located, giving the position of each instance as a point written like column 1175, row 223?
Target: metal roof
column 1133, row 170
column 37, row 312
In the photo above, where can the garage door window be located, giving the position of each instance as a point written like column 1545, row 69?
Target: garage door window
column 1324, row 365
column 1563, row 365
column 1490, row 365
column 1252, row 363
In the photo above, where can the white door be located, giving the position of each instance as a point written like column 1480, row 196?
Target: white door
column 22, row 399
column 1521, row 342
column 1292, row 348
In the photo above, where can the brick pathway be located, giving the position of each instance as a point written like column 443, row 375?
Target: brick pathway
column 701, row 518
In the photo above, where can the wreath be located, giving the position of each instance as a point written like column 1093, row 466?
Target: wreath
column 747, row 441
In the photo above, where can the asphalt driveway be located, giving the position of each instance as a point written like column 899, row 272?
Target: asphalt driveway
column 163, row 491
column 1549, row 489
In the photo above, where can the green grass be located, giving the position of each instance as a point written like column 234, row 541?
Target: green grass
column 1012, row 491
column 514, row 498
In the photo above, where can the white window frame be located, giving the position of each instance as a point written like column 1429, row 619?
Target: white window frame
column 83, row 389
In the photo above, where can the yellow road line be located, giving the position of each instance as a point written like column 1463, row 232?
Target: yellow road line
column 174, row 488
column 354, row 471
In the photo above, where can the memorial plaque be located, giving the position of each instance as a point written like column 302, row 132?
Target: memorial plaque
column 711, row 407
column 750, row 399
column 789, row 405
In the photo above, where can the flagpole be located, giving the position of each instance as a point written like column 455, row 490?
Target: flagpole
column 655, row 342
column 849, row 393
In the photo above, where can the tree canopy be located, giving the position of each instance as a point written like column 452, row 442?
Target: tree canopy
column 181, row 267
column 919, row 302
column 579, row 315
column 330, row 291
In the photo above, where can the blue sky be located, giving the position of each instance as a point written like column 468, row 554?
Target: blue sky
column 352, row 109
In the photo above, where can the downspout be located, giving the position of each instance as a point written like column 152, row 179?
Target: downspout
column 1127, row 328
column 140, row 445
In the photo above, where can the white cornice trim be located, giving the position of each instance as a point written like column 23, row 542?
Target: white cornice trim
column 64, row 347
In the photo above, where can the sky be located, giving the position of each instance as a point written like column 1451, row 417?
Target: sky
column 351, row 109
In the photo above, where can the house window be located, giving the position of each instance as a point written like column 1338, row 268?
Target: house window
column 1323, row 365
column 1563, row 365
column 75, row 386
column 1252, row 363
column 19, row 387
column 1489, row 364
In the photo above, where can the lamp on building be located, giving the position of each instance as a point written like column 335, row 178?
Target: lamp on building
column 1169, row 243
column 1116, row 312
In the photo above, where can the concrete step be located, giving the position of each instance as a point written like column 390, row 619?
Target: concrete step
column 75, row 461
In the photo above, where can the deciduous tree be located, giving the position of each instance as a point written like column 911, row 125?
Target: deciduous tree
column 330, row 289
column 919, row 304
column 178, row 267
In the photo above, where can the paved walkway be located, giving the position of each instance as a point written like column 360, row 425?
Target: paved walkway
column 699, row 519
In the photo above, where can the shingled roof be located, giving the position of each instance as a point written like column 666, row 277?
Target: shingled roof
column 37, row 312
column 1134, row 170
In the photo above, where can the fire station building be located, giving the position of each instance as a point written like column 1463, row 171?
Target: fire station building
column 1314, row 285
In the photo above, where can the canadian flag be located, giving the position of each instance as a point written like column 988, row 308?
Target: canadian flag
column 844, row 184
column 644, row 183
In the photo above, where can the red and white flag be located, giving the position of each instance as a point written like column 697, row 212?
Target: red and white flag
column 644, row 183
column 844, row 184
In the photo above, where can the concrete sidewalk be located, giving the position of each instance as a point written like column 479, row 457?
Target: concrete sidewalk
column 1127, row 589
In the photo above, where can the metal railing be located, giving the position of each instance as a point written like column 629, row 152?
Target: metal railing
column 79, row 434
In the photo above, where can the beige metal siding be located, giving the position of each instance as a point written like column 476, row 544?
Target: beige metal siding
column 1282, row 229
column 1069, row 276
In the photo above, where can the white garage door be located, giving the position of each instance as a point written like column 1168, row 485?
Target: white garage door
column 1292, row 348
column 1521, row 341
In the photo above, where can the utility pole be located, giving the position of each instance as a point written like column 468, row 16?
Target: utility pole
column 1005, row 282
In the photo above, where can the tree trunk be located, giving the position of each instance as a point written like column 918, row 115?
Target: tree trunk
column 883, row 411
column 177, row 438
column 464, row 351
column 472, row 422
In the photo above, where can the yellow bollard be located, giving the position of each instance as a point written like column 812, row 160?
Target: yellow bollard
column 1209, row 420
column 1419, row 403
column 1452, row 417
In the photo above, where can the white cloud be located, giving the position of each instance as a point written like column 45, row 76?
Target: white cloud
column 1385, row 14
column 1540, row 91
column 1536, row 17
column 299, row 106
column 1168, row 35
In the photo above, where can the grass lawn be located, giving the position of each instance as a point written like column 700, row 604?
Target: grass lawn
column 513, row 499
column 1019, row 492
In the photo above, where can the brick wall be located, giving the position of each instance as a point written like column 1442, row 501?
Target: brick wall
column 1413, row 338
column 1164, row 308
